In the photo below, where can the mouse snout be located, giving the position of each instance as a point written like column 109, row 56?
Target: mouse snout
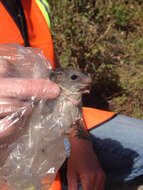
column 87, row 80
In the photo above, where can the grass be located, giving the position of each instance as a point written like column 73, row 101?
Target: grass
column 105, row 40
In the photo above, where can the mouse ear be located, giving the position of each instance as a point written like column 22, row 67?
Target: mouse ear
column 56, row 76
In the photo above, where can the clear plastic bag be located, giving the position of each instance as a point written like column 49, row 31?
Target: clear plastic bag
column 31, row 145
column 33, row 128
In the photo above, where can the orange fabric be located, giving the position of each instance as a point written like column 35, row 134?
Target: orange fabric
column 56, row 184
column 38, row 29
column 93, row 117
column 9, row 33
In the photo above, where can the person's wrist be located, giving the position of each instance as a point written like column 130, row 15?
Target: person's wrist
column 80, row 145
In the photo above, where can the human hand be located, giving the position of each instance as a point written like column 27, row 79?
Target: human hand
column 15, row 98
column 84, row 167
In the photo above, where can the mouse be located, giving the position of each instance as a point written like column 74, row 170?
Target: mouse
column 40, row 149
column 68, row 105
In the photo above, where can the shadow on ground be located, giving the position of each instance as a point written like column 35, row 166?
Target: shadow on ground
column 104, row 88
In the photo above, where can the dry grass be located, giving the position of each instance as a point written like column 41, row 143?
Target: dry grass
column 103, row 38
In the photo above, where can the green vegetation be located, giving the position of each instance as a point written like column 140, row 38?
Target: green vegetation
column 105, row 39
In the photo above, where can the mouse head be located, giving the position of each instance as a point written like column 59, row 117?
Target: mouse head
column 70, row 79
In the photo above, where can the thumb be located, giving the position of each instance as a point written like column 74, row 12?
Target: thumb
column 72, row 179
column 72, row 183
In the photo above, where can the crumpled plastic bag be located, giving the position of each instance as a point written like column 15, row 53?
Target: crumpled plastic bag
column 36, row 149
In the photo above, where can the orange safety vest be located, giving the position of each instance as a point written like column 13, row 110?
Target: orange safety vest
column 38, row 29
column 40, row 37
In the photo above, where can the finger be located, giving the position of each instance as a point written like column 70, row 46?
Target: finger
column 8, row 69
column 102, row 186
column 4, row 68
column 100, row 179
column 9, row 106
column 72, row 180
column 88, row 184
column 99, row 182
column 28, row 88
column 72, row 183
column 13, row 124
column 10, row 127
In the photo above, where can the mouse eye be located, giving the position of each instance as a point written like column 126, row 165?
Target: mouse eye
column 74, row 77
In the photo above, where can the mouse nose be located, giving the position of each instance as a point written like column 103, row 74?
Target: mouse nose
column 87, row 80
